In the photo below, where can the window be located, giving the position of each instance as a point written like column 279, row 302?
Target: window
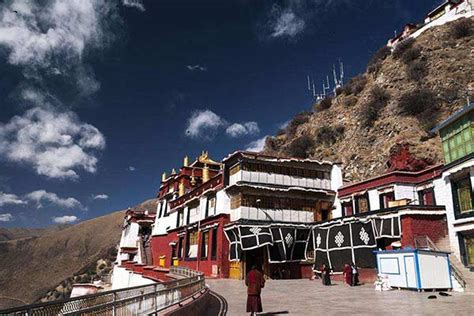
column 214, row 244
column 211, row 206
column 426, row 197
column 180, row 247
column 347, row 208
column 204, row 244
column 469, row 250
column 458, row 138
column 161, row 209
column 462, row 195
column 234, row 169
column 180, row 218
column 362, row 203
column 191, row 244
column 235, row 201
column 385, row 198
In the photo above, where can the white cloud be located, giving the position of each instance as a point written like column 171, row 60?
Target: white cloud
column 204, row 124
column 257, row 145
column 196, row 67
column 52, row 38
column 11, row 199
column 287, row 24
column 239, row 130
column 137, row 4
column 131, row 168
column 41, row 196
column 7, row 217
column 101, row 197
column 55, row 144
column 66, row 219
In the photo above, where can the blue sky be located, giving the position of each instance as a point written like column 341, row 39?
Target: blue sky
column 98, row 97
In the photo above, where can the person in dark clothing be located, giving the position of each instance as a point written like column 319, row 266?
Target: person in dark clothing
column 355, row 274
column 255, row 282
column 325, row 275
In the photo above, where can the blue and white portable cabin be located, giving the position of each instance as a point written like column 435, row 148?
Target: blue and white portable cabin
column 415, row 268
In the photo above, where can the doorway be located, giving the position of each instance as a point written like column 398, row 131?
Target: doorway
column 256, row 257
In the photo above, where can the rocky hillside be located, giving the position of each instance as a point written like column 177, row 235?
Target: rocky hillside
column 380, row 120
column 44, row 267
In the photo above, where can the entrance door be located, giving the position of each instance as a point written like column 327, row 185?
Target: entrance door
column 256, row 257
column 469, row 241
column 410, row 272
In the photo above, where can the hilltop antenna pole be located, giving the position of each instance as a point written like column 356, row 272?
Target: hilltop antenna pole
column 341, row 65
column 309, row 85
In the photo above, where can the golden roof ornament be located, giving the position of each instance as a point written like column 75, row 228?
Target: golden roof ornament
column 204, row 158
column 163, row 177
column 173, row 172
column 186, row 161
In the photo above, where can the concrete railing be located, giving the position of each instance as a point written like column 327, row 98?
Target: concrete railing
column 140, row 300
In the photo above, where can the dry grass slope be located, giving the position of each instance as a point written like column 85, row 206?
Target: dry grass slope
column 444, row 61
column 29, row 268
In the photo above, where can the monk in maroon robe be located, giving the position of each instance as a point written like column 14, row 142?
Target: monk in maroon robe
column 347, row 273
column 255, row 282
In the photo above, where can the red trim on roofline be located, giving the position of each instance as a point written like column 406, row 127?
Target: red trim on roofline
column 408, row 177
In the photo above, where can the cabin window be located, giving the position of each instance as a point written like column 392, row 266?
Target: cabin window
column 362, row 203
column 192, row 244
column 347, row 208
column 204, row 244
column 214, row 244
column 385, row 198
column 426, row 197
column 462, row 195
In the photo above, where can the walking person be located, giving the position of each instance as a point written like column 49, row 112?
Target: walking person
column 255, row 282
column 355, row 274
column 326, row 274
column 347, row 273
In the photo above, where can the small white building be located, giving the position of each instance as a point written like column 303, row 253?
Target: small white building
column 415, row 269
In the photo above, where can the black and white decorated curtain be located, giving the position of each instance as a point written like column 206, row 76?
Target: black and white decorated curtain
column 285, row 243
column 387, row 227
column 252, row 237
column 289, row 244
column 235, row 249
column 343, row 243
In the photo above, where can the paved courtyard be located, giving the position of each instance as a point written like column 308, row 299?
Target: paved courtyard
column 305, row 297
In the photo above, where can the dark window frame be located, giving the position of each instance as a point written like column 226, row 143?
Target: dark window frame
column 214, row 243
column 357, row 198
column 456, row 203
column 421, row 194
column 382, row 199
column 202, row 247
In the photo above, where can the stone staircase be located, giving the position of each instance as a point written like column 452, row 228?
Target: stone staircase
column 467, row 275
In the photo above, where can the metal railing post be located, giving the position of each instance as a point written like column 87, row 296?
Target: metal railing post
column 114, row 307
column 155, row 298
